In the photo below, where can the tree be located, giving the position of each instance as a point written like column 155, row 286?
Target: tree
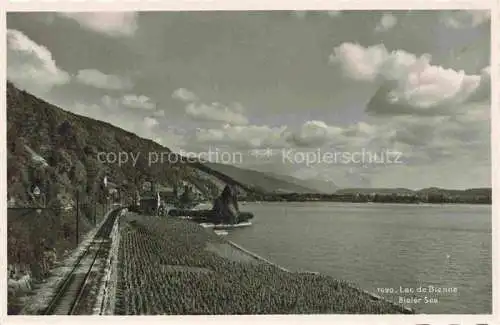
column 78, row 176
column 20, row 151
column 187, row 196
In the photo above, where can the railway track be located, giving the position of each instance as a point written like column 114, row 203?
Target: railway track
column 72, row 290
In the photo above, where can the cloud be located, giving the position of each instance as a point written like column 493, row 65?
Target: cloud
column 421, row 136
column 31, row 65
column 140, row 102
column 434, row 140
column 421, row 140
column 313, row 133
column 483, row 91
column 97, row 79
column 250, row 136
column 104, row 107
column 216, row 112
column 436, row 137
column 184, row 95
column 424, row 142
column 150, row 122
column 108, row 106
column 159, row 113
column 387, row 22
column 410, row 84
column 447, row 94
column 460, row 19
column 416, row 132
column 357, row 62
column 114, row 24
column 110, row 102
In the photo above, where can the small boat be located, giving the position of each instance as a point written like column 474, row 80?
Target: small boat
column 205, row 216
column 164, row 210
column 203, row 206
column 236, row 225
column 221, row 232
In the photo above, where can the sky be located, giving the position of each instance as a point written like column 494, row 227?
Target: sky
column 358, row 98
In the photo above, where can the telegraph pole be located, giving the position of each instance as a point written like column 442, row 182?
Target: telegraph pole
column 105, row 182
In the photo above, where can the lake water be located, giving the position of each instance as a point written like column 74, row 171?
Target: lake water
column 382, row 247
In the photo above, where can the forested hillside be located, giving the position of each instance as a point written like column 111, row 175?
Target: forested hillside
column 70, row 145
column 58, row 151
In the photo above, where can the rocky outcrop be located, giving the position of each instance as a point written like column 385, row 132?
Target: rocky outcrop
column 225, row 208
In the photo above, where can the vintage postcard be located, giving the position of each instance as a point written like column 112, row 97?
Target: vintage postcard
column 325, row 162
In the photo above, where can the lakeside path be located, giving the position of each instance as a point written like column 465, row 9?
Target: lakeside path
column 175, row 267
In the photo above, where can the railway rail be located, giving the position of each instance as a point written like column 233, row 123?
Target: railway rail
column 71, row 291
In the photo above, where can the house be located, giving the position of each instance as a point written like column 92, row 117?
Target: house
column 167, row 194
column 11, row 202
column 168, row 197
column 149, row 203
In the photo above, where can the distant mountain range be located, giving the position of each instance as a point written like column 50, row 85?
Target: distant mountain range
column 316, row 185
column 263, row 182
column 424, row 191
column 375, row 190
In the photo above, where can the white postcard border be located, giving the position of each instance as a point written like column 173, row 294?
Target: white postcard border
column 157, row 5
